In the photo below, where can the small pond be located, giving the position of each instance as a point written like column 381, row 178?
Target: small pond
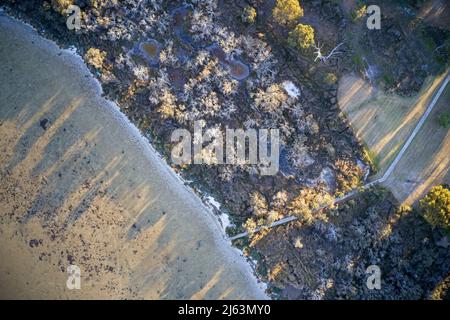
column 150, row 51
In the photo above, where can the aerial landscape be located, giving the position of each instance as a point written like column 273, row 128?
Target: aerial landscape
column 225, row 149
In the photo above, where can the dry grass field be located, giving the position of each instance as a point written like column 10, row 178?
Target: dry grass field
column 427, row 160
column 384, row 122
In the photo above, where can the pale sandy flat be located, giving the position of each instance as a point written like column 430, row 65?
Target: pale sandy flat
column 87, row 190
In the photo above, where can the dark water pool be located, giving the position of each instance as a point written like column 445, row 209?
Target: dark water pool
column 150, row 51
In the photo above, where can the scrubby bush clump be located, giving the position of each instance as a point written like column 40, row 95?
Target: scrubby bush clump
column 249, row 15
column 348, row 176
column 95, row 57
column 444, row 120
column 271, row 99
column 307, row 204
column 359, row 12
column 436, row 207
column 61, row 5
column 302, row 37
column 330, row 78
column 287, row 12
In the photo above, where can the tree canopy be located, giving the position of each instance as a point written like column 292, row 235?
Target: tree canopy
column 287, row 12
column 302, row 36
column 436, row 207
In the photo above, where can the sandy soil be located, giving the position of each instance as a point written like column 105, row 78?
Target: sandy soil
column 79, row 185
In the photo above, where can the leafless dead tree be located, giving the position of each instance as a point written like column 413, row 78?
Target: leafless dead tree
column 322, row 58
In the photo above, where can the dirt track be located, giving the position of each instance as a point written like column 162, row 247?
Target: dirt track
column 78, row 186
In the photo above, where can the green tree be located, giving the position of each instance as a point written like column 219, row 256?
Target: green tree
column 95, row 57
column 301, row 37
column 249, row 15
column 306, row 204
column 359, row 13
column 61, row 5
column 250, row 226
column 444, row 119
column 330, row 78
column 436, row 207
column 287, row 12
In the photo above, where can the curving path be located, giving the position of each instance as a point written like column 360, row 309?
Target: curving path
column 390, row 169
